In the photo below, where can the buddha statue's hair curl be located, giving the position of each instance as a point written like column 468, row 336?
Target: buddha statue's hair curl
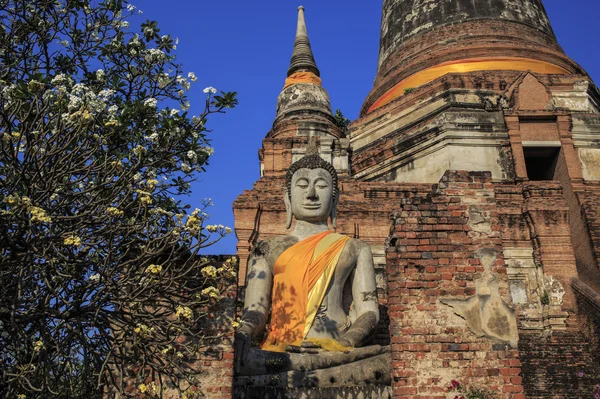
column 312, row 160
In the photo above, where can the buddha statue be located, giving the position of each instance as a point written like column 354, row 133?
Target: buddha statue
column 318, row 288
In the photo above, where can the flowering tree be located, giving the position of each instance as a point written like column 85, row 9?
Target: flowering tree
column 99, row 269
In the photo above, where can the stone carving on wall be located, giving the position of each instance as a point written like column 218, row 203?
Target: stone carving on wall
column 555, row 291
column 486, row 314
column 318, row 288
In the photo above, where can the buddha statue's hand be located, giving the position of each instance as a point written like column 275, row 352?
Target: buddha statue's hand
column 243, row 339
column 346, row 342
column 304, row 347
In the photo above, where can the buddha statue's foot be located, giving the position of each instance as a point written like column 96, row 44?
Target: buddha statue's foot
column 360, row 367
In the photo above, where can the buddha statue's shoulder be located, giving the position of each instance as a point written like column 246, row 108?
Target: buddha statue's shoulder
column 355, row 246
column 271, row 248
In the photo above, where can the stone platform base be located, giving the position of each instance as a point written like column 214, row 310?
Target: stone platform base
column 368, row 392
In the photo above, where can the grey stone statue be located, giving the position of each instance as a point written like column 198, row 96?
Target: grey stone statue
column 345, row 317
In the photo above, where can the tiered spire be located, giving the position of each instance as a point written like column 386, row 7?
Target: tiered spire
column 302, row 58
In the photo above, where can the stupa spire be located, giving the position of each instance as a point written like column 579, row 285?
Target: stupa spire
column 302, row 57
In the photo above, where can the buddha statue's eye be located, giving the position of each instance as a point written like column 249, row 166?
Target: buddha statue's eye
column 302, row 184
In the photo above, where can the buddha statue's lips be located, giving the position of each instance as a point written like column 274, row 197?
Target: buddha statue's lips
column 311, row 206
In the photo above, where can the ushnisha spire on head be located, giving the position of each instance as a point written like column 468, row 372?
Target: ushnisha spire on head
column 302, row 57
column 312, row 160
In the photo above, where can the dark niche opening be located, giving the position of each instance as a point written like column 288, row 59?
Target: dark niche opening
column 541, row 162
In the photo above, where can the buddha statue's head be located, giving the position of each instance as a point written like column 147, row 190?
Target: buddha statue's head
column 311, row 192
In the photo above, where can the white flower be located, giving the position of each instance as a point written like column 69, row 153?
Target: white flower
column 185, row 106
column 153, row 137
column 185, row 167
column 112, row 109
column 192, row 156
column 148, row 30
column 174, row 112
column 131, row 7
column 124, row 24
column 210, row 90
column 100, row 74
column 183, row 82
column 151, row 102
column 154, row 55
column 137, row 177
column 208, row 150
column 61, row 80
column 105, row 94
column 192, row 76
column 64, row 42
column 94, row 278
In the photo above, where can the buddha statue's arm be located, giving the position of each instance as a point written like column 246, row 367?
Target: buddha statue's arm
column 258, row 293
column 364, row 295
column 257, row 302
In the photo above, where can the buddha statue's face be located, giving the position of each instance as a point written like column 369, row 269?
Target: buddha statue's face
column 312, row 195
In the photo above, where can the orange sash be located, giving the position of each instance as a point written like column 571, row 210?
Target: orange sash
column 300, row 269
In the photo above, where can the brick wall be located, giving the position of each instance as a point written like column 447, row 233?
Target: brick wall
column 558, row 366
column 431, row 256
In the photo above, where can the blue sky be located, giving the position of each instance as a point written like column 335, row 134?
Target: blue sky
column 245, row 46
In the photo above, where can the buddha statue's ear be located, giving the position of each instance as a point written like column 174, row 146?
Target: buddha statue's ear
column 288, row 208
column 334, row 211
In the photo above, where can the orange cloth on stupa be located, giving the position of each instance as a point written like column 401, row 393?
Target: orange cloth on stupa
column 463, row 66
column 301, row 277
column 302, row 77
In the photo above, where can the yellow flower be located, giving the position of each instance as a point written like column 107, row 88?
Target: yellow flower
column 112, row 211
column 166, row 350
column 153, row 389
column 192, row 223
column 26, row 200
column 146, row 200
column 143, row 388
column 38, row 215
column 142, row 329
column 211, row 292
column 112, row 122
column 212, row 228
column 209, row 272
column 73, row 241
column 179, row 355
column 117, row 164
column 38, row 346
column 154, row 269
column 11, row 199
column 183, row 312
column 228, row 230
column 152, row 183
column 16, row 135
column 21, row 396
column 139, row 150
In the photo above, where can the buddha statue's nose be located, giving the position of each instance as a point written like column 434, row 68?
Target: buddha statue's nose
column 312, row 192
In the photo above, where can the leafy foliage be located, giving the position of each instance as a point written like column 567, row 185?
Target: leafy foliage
column 341, row 121
column 99, row 266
